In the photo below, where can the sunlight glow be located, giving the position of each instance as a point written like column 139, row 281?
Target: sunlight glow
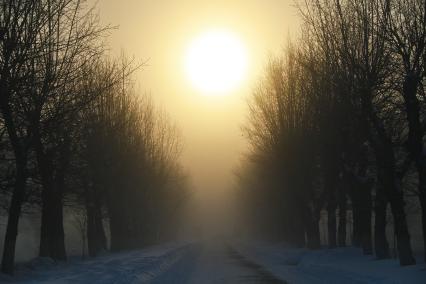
column 216, row 63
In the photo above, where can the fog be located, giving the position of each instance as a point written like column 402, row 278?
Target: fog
column 299, row 151
column 159, row 32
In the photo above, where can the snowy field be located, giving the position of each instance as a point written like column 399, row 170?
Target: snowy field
column 220, row 262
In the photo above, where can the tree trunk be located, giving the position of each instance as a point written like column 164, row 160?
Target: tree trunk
column 100, row 228
column 423, row 207
column 312, row 228
column 96, row 240
column 20, row 153
column 421, row 168
column 117, row 223
column 57, row 238
column 356, row 231
column 293, row 225
column 401, row 229
column 415, row 141
column 389, row 183
column 331, row 223
column 52, row 237
column 393, row 192
column 44, row 246
column 381, row 244
column 365, row 214
column 342, row 219
column 331, row 177
column 356, row 216
column 8, row 260
column 298, row 224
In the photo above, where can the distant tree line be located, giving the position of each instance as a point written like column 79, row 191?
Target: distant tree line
column 337, row 124
column 75, row 132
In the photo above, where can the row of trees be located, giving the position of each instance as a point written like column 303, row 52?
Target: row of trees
column 341, row 117
column 75, row 132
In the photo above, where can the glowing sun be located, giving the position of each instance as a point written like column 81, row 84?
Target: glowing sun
column 216, row 62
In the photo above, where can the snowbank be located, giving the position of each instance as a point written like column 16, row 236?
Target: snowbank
column 128, row 267
column 340, row 265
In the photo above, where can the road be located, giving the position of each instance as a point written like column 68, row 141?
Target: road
column 193, row 263
column 215, row 262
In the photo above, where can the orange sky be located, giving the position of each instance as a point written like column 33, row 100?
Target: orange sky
column 161, row 30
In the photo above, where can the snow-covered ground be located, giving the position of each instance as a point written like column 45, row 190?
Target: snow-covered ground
column 340, row 265
column 141, row 266
column 219, row 262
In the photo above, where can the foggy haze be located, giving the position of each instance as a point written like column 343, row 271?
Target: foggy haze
column 199, row 141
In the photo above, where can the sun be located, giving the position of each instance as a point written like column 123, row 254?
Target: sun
column 216, row 62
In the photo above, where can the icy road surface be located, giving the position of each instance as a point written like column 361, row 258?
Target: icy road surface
column 212, row 263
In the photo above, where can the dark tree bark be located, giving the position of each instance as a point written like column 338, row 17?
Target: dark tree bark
column 331, row 223
column 392, row 191
column 342, row 219
column 311, row 221
column 396, row 201
column 96, row 239
column 363, row 189
column 18, row 29
column 116, row 221
column 52, row 236
column 293, row 226
column 21, row 159
column 330, row 187
column 298, row 237
column 422, row 197
column 415, row 141
column 407, row 36
column 8, row 260
column 331, row 176
column 356, row 218
column 381, row 244
column 365, row 216
column 44, row 246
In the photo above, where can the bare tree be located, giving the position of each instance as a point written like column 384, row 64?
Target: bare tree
column 130, row 151
column 356, row 31
column 69, row 40
column 20, row 23
column 407, row 40
column 281, row 132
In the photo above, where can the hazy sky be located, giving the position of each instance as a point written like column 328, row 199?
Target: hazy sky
column 161, row 30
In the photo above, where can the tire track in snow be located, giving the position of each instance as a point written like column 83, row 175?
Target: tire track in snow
column 261, row 274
